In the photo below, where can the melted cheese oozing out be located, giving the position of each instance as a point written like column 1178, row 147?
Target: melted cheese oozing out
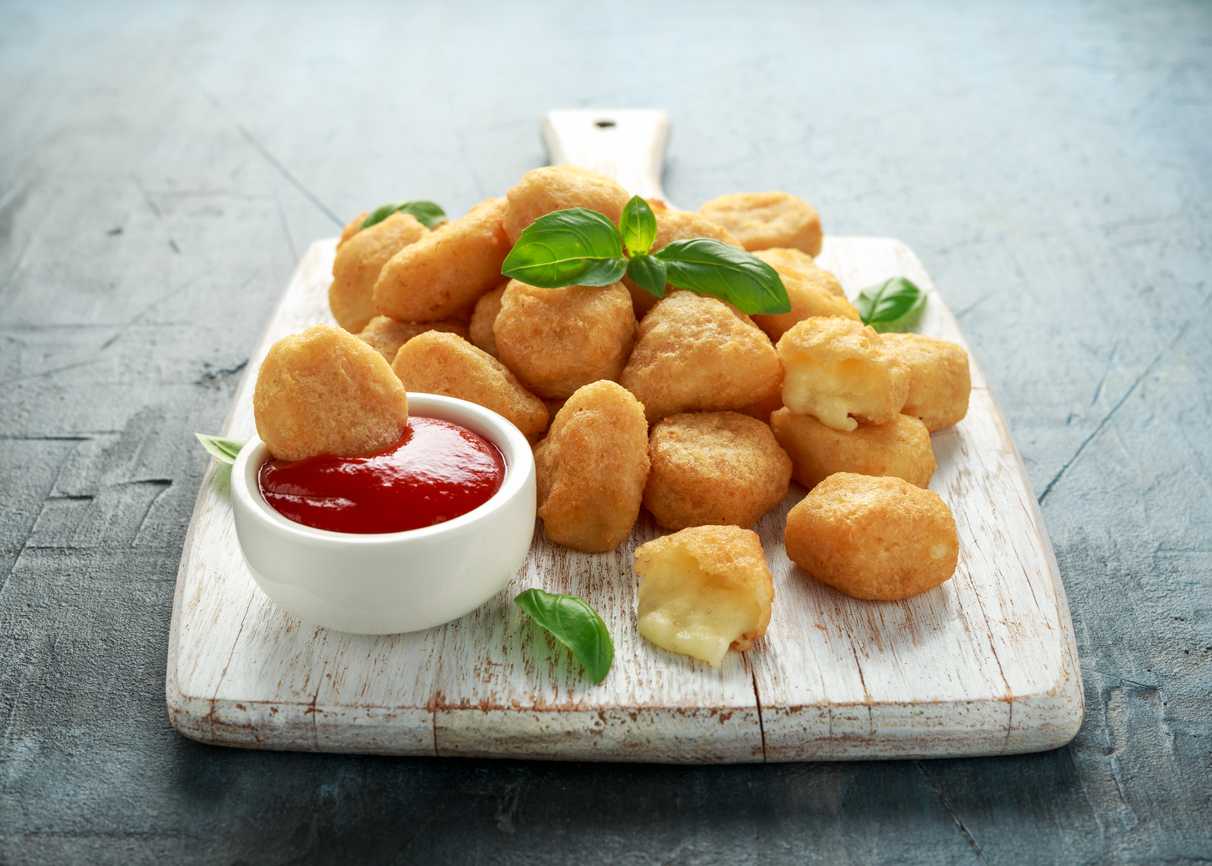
column 832, row 392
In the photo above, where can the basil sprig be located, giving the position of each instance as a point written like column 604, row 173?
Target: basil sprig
column 579, row 247
column 893, row 305
column 427, row 213
column 223, row 450
column 572, row 622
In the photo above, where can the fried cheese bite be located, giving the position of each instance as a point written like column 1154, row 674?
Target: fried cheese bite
column 591, row 468
column 483, row 317
column 704, row 590
column 899, row 447
column 835, row 368
column 558, row 187
column 556, row 340
column 437, row 362
column 675, row 225
column 812, row 291
column 939, row 380
column 326, row 392
column 446, row 271
column 352, row 227
column 386, row 336
column 761, row 220
column 873, row 538
column 714, row 468
column 696, row 353
column 358, row 264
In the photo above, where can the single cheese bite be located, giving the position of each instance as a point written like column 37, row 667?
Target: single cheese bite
column 436, row 362
column 352, row 227
column 446, row 271
column 675, row 225
column 326, row 392
column 358, row 263
column 704, row 589
column 761, row 220
column 696, row 353
column 834, row 368
column 873, row 538
column 559, row 187
column 899, row 447
column 386, row 336
column 939, row 380
column 591, row 468
column 483, row 317
column 714, row 468
column 557, row 340
column 812, row 291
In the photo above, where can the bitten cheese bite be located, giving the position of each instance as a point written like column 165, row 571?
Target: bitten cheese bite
column 873, row 538
column 704, row 589
column 557, row 340
column 835, row 368
column 761, row 220
column 899, row 447
column 386, row 336
column 446, row 271
column 591, row 468
column 326, row 392
column 696, row 353
column 559, row 187
column 358, row 264
column 812, row 291
column 939, row 380
column 675, row 225
column 483, row 317
column 714, row 468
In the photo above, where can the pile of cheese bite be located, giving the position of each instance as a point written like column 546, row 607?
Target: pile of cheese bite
column 684, row 406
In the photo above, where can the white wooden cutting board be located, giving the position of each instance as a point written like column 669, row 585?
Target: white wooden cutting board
column 984, row 664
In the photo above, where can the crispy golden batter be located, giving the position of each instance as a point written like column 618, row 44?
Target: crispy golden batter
column 483, row 318
column 761, row 220
column 834, row 368
column 705, row 589
column 675, row 225
column 813, row 292
column 358, row 263
column 939, row 380
column 445, row 272
column 352, row 227
column 762, row 409
column 592, row 467
column 559, row 187
column 874, row 538
column 557, row 340
column 899, row 447
column 444, row 363
column 326, row 392
column 694, row 352
column 714, row 468
column 386, row 336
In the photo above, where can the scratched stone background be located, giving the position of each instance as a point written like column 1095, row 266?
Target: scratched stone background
column 162, row 168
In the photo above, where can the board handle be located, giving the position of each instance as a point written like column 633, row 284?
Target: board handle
column 626, row 145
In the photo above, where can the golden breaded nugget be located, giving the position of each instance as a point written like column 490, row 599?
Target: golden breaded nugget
column 834, row 368
column 939, row 380
column 557, row 340
column 559, row 187
column 714, row 468
column 591, row 468
column 482, row 320
column 352, row 227
column 874, row 538
column 675, row 225
column 442, row 363
column 695, row 352
column 762, row 409
column 358, row 263
column 705, row 589
column 812, row 291
column 326, row 392
column 386, row 336
column 761, row 220
column 899, row 447
column 445, row 272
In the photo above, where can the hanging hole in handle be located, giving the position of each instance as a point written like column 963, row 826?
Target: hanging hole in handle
column 604, row 124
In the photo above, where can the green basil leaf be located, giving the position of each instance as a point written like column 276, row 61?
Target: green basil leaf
column 574, row 247
column 638, row 227
column 712, row 268
column 649, row 274
column 223, row 450
column 427, row 213
column 893, row 305
column 572, row 622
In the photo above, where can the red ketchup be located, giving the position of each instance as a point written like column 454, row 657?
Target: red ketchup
column 435, row 472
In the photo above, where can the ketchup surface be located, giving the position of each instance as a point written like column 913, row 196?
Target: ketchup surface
column 435, row 472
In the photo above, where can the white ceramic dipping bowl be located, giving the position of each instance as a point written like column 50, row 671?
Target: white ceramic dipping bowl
column 397, row 581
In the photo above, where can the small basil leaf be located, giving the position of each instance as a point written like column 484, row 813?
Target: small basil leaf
column 648, row 273
column 223, row 450
column 712, row 268
column 572, row 622
column 574, row 247
column 638, row 227
column 427, row 213
column 893, row 305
